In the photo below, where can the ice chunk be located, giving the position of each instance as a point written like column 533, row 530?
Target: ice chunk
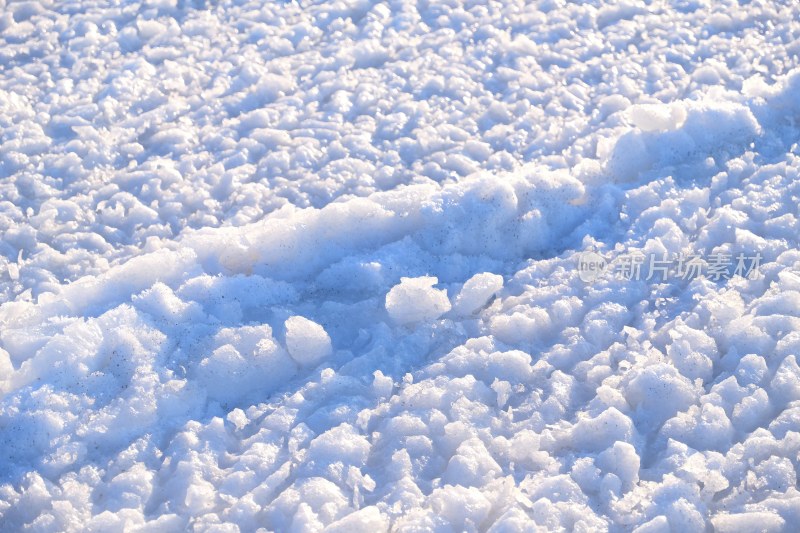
column 595, row 434
column 308, row 342
column 752, row 369
column 476, row 292
column 244, row 360
column 703, row 428
column 415, row 300
column 785, row 386
column 659, row 524
column 342, row 443
column 763, row 521
column 752, row 411
column 692, row 352
column 621, row 459
column 200, row 496
column 655, row 117
column 382, row 385
column 658, row 392
column 531, row 325
column 472, row 465
column 366, row 520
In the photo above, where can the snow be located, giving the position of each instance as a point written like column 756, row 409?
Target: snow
column 301, row 266
column 307, row 342
column 415, row 300
column 476, row 292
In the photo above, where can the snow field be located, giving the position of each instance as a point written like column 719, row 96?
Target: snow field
column 314, row 266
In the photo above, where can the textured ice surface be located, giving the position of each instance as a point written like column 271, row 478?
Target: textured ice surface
column 307, row 341
column 415, row 300
column 296, row 266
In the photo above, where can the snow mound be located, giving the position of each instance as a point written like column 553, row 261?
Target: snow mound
column 678, row 134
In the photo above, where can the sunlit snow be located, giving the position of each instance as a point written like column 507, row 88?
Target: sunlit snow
column 305, row 266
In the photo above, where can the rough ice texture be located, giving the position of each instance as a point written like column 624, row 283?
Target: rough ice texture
column 476, row 292
column 297, row 266
column 307, row 342
column 415, row 300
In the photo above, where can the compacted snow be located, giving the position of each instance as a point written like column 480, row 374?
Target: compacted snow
column 419, row 266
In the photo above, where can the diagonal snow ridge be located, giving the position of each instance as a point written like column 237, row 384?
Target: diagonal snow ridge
column 489, row 218
column 177, row 335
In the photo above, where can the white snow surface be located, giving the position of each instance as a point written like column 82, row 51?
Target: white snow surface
column 305, row 266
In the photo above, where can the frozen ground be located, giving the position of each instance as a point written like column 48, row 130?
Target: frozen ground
column 301, row 266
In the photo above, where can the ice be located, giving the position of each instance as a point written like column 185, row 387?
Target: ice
column 366, row 520
column 415, row 300
column 307, row 341
column 762, row 521
column 678, row 135
column 472, row 465
column 655, row 117
column 692, row 352
column 476, row 292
